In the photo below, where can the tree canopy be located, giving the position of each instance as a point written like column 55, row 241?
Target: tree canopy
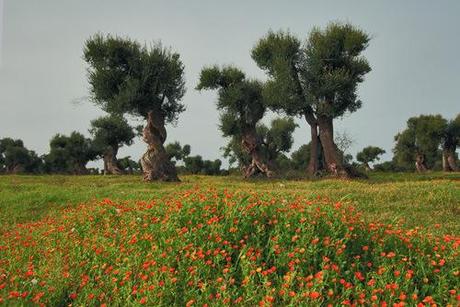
column 109, row 134
column 239, row 101
column 418, row 145
column 126, row 77
column 16, row 158
column 369, row 154
column 111, row 131
column 70, row 154
column 177, row 152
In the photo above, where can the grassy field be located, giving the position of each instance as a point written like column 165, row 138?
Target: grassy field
column 210, row 241
column 430, row 201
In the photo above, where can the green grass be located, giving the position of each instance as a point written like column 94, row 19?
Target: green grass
column 430, row 201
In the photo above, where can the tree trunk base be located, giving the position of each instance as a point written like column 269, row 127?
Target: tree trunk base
column 334, row 164
column 420, row 165
column 158, row 167
column 155, row 162
column 448, row 160
column 257, row 166
column 111, row 165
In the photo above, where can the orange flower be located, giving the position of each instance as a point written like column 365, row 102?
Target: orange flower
column 143, row 300
column 314, row 295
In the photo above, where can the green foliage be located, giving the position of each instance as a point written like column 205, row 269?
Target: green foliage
column 423, row 135
column 240, row 100
column 15, row 158
column 275, row 140
column 234, row 153
column 70, row 154
column 279, row 138
column 177, row 152
column 322, row 75
column 196, row 165
column 300, row 157
column 111, row 131
column 128, row 165
column 279, row 54
column 369, row 154
column 388, row 166
column 126, row 77
column 333, row 67
column 451, row 135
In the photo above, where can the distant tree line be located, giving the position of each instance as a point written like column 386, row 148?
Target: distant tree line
column 429, row 142
column 316, row 79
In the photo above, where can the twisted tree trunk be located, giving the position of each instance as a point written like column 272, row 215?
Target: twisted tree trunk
column 251, row 145
column 155, row 162
column 420, row 164
column 334, row 163
column 313, row 164
column 449, row 163
column 110, row 161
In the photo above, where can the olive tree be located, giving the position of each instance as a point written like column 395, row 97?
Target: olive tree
column 70, row 154
column 145, row 82
column 368, row 155
column 109, row 134
column 16, row 158
column 241, row 105
column 276, row 140
column 317, row 80
column 418, row 145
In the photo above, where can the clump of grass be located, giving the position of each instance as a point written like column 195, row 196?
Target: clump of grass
column 213, row 247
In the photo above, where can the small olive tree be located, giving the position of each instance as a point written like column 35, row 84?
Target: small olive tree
column 109, row 134
column 241, row 104
column 368, row 155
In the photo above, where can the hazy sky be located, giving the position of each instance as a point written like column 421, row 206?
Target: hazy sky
column 414, row 54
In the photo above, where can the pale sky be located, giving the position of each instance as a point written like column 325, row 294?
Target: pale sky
column 414, row 55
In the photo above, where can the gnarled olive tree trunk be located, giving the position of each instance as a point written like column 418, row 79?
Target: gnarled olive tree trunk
column 80, row 168
column 110, row 161
column 155, row 162
column 449, row 163
column 420, row 164
column 251, row 145
column 313, row 164
column 334, row 163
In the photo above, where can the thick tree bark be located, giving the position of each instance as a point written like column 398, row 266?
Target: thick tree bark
column 420, row 164
column 155, row 162
column 251, row 144
column 110, row 161
column 80, row 169
column 334, row 163
column 313, row 165
column 449, row 163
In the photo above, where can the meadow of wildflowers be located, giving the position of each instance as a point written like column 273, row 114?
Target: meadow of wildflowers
column 208, row 246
